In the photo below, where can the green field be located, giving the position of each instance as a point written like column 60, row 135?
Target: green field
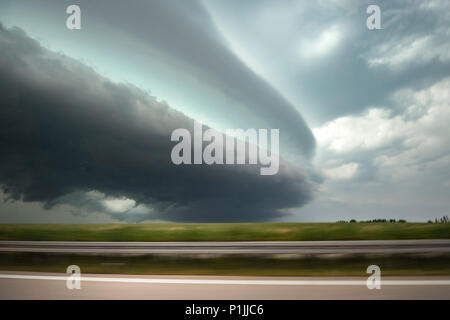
column 225, row 231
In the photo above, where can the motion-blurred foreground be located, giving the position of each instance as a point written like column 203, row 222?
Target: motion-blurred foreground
column 229, row 253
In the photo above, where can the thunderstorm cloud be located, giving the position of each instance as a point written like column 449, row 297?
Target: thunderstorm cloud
column 68, row 134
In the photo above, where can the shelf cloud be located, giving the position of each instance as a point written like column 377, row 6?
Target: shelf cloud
column 66, row 132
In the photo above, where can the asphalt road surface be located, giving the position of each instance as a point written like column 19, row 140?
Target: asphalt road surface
column 227, row 288
column 260, row 247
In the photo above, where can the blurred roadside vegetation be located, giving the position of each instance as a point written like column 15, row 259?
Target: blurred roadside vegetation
column 251, row 265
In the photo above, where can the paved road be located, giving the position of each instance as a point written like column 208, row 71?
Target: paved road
column 108, row 289
column 261, row 247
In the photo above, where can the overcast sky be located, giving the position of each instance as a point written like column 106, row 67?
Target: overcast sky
column 86, row 115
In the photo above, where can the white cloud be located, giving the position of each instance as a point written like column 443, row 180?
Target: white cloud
column 370, row 130
column 323, row 44
column 412, row 147
column 119, row 205
column 426, row 143
column 399, row 53
column 422, row 126
column 404, row 45
column 343, row 172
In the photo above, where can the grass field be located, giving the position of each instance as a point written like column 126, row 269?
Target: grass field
column 225, row 231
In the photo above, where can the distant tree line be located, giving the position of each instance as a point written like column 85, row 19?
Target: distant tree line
column 373, row 221
column 444, row 219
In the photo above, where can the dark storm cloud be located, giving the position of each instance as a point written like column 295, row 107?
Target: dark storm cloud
column 64, row 129
column 183, row 31
column 179, row 40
